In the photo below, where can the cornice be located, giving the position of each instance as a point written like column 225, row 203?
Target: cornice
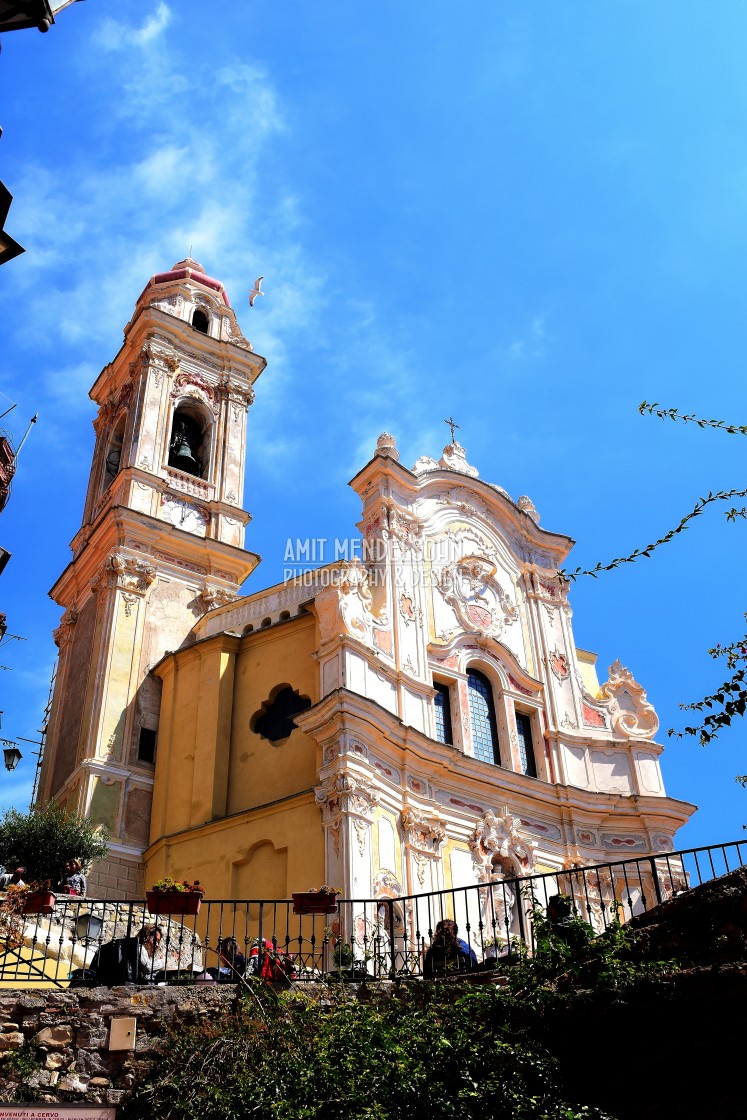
column 150, row 539
column 363, row 717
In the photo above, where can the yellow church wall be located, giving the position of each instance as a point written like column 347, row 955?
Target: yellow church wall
column 261, row 771
column 263, row 854
column 175, row 755
column 230, row 807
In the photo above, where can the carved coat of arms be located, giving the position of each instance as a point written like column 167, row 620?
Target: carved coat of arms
column 471, row 589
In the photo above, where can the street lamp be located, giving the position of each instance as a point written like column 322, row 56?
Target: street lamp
column 12, row 754
column 88, row 927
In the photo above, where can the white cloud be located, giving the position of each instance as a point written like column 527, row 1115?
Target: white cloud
column 159, row 169
column 111, row 35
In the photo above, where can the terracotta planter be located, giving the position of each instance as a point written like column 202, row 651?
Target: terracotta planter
column 39, row 902
column 173, row 902
column 314, row 902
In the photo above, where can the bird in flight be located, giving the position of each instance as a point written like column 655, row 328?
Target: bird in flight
column 256, row 291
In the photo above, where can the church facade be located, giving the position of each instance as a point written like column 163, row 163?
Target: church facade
column 413, row 718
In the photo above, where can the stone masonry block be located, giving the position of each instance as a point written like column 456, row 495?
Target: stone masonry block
column 13, row 1040
column 55, row 1038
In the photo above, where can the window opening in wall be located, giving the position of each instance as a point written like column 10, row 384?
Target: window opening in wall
column 200, row 321
column 146, row 748
column 114, row 454
column 186, row 444
column 482, row 718
column 274, row 721
column 526, row 748
column 442, row 704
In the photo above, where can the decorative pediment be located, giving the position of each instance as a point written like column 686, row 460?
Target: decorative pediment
column 631, row 713
column 497, row 839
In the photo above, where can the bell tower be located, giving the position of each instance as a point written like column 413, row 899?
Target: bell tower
column 161, row 543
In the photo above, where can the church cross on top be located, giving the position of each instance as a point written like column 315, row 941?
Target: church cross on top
column 451, row 422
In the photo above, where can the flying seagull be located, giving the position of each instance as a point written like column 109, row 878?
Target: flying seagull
column 256, row 291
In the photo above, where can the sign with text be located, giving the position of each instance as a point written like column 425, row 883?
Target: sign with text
column 56, row 1112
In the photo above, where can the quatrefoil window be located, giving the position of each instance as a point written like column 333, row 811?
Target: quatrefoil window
column 274, row 720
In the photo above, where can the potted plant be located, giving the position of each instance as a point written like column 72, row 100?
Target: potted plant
column 494, row 948
column 316, row 900
column 38, row 897
column 169, row 896
column 347, row 967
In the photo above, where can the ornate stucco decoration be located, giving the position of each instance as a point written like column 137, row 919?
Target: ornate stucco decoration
column 559, row 665
column 386, row 884
column 526, row 505
column 214, row 597
column 346, row 607
column 425, row 832
column 116, row 400
column 425, row 464
column 64, row 632
column 391, row 521
column 470, row 588
column 159, row 360
column 631, row 713
column 454, row 458
column 126, row 573
column 386, row 447
column 496, row 839
column 239, row 397
column 403, row 526
column 353, row 794
column 197, row 386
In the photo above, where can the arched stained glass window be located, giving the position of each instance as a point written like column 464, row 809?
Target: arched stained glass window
column 482, row 718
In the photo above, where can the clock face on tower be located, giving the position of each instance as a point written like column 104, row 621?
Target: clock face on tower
column 184, row 515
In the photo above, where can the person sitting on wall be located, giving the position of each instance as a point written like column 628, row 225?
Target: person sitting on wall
column 272, row 964
column 448, row 953
column 231, row 963
column 73, row 880
column 129, row 960
column 14, row 879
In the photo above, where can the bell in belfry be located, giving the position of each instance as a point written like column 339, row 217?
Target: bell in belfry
column 182, row 453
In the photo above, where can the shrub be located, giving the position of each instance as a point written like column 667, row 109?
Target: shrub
column 436, row 1053
column 43, row 839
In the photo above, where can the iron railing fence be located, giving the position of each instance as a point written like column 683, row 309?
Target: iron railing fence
column 88, row 941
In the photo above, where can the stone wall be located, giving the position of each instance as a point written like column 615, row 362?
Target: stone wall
column 55, row 1045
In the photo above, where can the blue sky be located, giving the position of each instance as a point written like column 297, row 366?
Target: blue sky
column 528, row 215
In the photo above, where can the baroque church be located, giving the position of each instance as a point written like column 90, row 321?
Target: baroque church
column 415, row 718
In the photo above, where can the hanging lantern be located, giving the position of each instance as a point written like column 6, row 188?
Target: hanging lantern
column 12, row 757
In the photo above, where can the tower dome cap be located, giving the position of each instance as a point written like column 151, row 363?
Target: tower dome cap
column 189, row 269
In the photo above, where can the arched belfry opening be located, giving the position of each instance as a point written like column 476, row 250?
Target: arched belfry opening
column 200, row 321
column 189, row 444
column 113, row 459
